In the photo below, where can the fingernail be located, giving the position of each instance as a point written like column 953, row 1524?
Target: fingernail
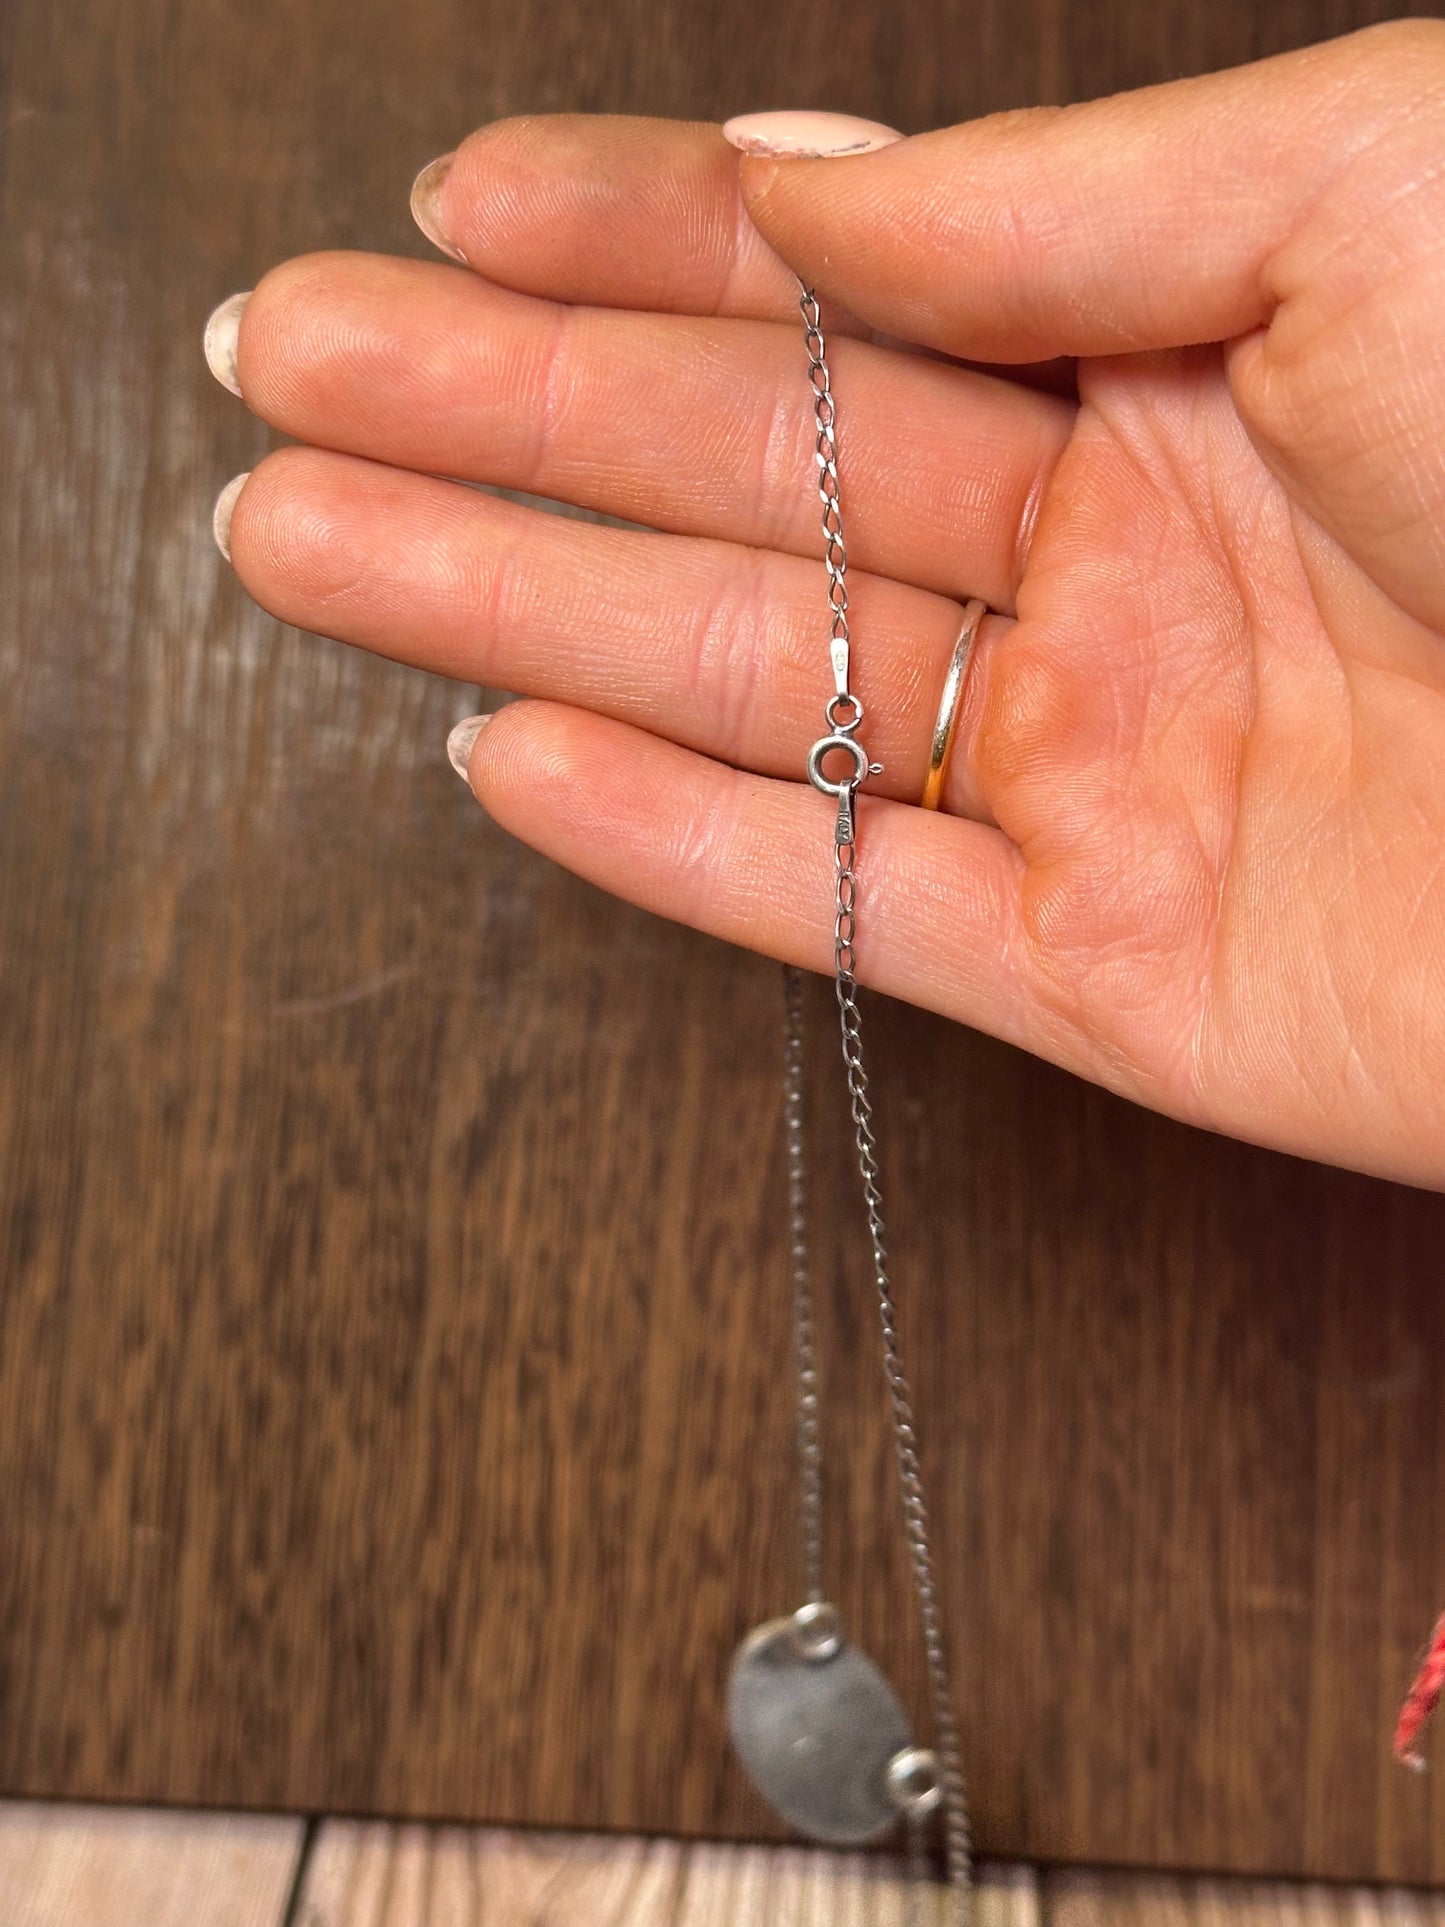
column 460, row 744
column 222, row 332
column 808, row 136
column 221, row 514
column 426, row 209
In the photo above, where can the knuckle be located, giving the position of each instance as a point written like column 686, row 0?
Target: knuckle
column 702, row 856
column 784, row 450
column 732, row 654
column 546, row 389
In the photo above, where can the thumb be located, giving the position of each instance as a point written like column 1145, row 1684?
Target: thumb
column 1152, row 219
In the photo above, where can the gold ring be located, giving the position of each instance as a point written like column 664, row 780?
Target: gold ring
column 941, row 747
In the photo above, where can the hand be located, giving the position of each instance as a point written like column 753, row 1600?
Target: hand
column 1194, row 841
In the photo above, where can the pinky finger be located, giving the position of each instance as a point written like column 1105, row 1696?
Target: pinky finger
column 750, row 859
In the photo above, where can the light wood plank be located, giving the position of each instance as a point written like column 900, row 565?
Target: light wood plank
column 97, row 1867
column 63, row 1866
column 368, row 1875
column 1149, row 1900
column 364, row 1875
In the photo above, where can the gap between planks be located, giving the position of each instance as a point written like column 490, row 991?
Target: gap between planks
column 66, row 1866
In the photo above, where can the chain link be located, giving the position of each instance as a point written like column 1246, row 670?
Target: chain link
column 810, row 1449
column 835, row 554
column 946, row 1748
column 957, row 1847
column 920, row 1880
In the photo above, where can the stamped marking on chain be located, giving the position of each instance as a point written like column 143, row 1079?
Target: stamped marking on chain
column 839, row 653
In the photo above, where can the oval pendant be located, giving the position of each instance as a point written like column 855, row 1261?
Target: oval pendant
column 817, row 1726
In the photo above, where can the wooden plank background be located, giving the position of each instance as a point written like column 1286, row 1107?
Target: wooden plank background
column 394, row 1414
column 104, row 1867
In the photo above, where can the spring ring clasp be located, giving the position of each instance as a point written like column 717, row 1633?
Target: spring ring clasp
column 843, row 713
column 830, row 786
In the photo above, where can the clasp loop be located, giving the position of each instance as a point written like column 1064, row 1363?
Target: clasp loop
column 847, row 723
column 824, row 746
column 843, row 788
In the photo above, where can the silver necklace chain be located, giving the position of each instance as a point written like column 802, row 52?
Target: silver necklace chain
column 844, row 714
column 810, row 1447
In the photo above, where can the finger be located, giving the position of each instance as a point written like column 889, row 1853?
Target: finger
column 1152, row 219
column 721, row 648
column 620, row 211
column 751, row 860
column 703, row 427
column 611, row 210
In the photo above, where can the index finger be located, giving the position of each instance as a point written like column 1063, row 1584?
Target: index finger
column 623, row 211
column 608, row 210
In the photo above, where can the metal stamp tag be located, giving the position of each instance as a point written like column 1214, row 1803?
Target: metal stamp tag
column 817, row 1726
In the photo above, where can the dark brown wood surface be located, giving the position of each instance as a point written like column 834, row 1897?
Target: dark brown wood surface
column 394, row 1387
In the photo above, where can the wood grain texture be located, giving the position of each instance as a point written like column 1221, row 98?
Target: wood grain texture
column 1071, row 1899
column 85, row 1867
column 93, row 1867
column 373, row 1875
column 394, row 1414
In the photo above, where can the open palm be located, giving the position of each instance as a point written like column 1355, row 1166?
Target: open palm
column 1192, row 844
